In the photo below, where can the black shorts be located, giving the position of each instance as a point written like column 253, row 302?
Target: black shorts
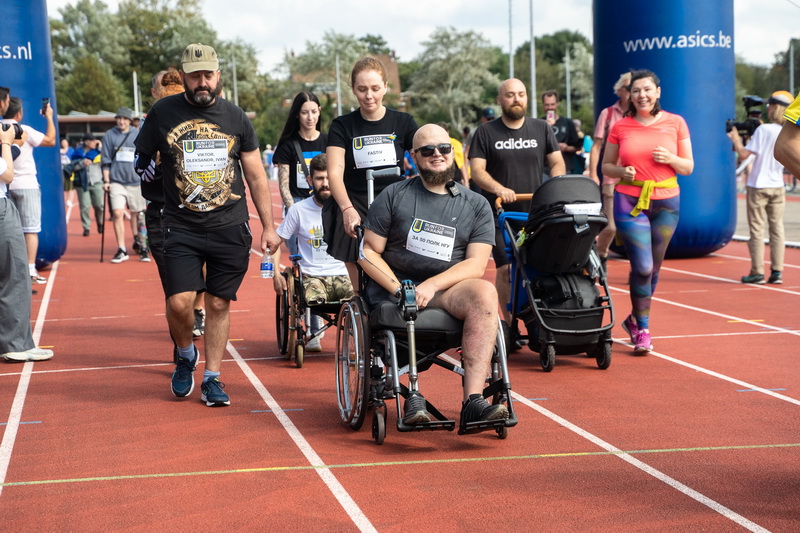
column 225, row 252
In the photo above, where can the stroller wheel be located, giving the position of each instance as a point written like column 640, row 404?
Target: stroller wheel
column 603, row 354
column 547, row 356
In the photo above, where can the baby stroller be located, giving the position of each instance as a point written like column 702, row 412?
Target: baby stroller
column 556, row 272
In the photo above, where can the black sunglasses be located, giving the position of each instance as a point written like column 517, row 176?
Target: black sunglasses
column 427, row 151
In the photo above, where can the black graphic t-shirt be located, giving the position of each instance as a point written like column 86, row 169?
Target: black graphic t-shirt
column 371, row 144
column 200, row 151
column 514, row 158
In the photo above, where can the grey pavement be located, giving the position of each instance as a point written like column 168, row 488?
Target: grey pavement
column 791, row 219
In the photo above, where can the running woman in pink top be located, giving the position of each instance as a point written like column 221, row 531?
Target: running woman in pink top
column 646, row 149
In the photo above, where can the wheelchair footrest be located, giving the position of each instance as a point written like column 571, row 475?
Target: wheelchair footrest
column 433, row 425
column 469, row 428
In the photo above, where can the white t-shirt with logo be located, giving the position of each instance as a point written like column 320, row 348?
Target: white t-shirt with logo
column 767, row 172
column 24, row 165
column 304, row 219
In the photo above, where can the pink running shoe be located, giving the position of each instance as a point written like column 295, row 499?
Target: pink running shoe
column 643, row 344
column 629, row 325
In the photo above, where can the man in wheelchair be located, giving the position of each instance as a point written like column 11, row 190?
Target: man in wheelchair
column 439, row 235
column 324, row 278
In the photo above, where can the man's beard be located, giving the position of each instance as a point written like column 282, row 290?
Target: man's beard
column 431, row 177
column 318, row 195
column 203, row 99
column 515, row 112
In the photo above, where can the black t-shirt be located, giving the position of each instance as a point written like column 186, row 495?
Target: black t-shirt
column 427, row 233
column 565, row 132
column 371, row 144
column 200, row 151
column 514, row 158
column 285, row 154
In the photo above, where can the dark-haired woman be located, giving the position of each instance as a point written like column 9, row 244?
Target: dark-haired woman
column 300, row 141
column 651, row 147
column 371, row 137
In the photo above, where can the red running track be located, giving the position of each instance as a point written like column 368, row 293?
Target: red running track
column 701, row 435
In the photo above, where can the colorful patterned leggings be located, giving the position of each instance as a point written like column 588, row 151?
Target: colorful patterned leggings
column 645, row 238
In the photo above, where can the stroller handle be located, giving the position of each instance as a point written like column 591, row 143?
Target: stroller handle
column 498, row 203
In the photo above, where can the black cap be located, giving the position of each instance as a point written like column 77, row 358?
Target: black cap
column 89, row 137
column 487, row 113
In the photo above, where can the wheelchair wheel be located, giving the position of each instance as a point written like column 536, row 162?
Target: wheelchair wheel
column 291, row 297
column 378, row 426
column 352, row 364
column 299, row 353
column 282, row 320
column 603, row 354
column 547, row 356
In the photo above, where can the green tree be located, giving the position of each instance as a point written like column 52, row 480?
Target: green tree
column 316, row 66
column 453, row 78
column 85, row 29
column 376, row 45
column 89, row 87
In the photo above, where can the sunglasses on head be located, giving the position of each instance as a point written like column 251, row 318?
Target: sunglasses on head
column 427, row 151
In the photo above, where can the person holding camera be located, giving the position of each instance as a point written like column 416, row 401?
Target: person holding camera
column 787, row 147
column 766, row 196
column 569, row 142
column 24, row 190
column 16, row 341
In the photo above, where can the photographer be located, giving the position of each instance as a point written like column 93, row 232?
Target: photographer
column 766, row 196
column 25, row 191
column 16, row 341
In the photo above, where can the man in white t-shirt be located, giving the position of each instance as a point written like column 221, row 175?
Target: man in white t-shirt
column 325, row 279
column 766, row 196
column 24, row 190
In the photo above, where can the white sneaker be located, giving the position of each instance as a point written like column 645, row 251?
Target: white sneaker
column 34, row 354
column 314, row 345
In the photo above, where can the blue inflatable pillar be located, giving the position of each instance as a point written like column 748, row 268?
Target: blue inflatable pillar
column 689, row 45
column 26, row 67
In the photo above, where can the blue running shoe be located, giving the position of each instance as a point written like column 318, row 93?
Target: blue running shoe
column 213, row 394
column 183, row 377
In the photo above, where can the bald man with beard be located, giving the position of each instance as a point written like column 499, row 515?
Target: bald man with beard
column 438, row 234
column 507, row 157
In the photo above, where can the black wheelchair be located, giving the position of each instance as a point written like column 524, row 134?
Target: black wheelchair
column 294, row 315
column 374, row 349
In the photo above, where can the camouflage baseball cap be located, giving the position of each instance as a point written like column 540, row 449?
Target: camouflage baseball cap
column 199, row 57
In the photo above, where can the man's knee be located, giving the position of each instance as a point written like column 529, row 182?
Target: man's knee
column 215, row 304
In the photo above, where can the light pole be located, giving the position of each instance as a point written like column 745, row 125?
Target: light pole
column 510, row 46
column 533, row 68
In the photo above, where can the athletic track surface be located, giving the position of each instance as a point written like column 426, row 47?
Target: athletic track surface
column 703, row 434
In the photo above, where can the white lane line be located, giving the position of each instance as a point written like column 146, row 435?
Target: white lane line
column 716, row 314
column 339, row 492
column 736, row 257
column 728, row 280
column 15, row 415
column 644, row 467
column 688, row 491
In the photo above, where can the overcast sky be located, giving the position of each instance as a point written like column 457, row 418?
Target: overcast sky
column 761, row 27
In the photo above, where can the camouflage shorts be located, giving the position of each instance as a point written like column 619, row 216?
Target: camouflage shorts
column 322, row 289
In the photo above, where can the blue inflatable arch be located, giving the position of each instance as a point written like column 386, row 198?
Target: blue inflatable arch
column 689, row 45
column 26, row 67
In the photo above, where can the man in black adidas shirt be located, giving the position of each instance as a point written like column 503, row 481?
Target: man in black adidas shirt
column 207, row 146
column 507, row 156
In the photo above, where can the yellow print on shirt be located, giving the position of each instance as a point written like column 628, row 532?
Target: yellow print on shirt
column 205, row 170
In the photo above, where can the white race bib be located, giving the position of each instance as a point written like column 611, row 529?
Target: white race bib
column 374, row 151
column 125, row 154
column 301, row 183
column 431, row 240
column 205, row 155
